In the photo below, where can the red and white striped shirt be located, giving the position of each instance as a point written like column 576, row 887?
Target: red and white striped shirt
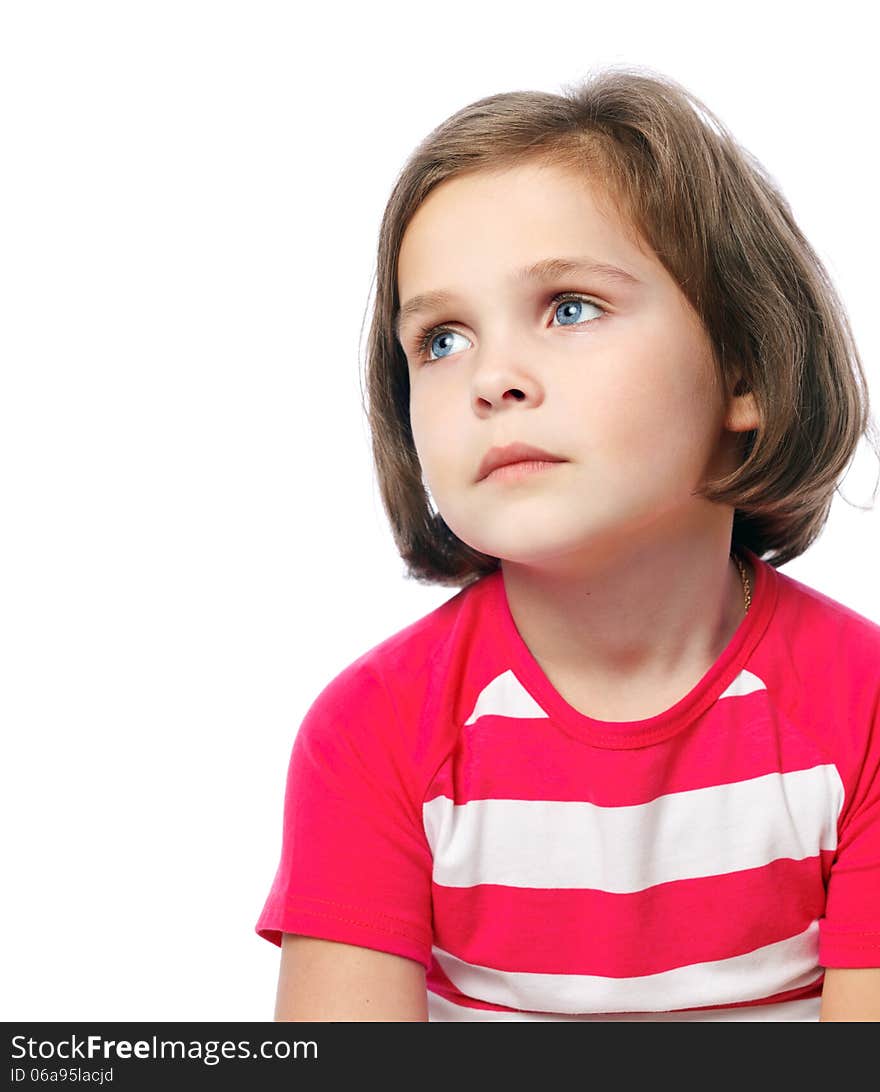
column 445, row 803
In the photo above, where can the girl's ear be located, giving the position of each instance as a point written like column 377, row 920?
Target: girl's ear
column 742, row 413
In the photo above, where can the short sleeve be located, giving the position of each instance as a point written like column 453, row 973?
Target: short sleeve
column 849, row 933
column 355, row 862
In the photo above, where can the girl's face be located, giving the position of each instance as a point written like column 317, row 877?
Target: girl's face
column 616, row 377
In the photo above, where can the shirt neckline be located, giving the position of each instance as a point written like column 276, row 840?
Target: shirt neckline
column 640, row 733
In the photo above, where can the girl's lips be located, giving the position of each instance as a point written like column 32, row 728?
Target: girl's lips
column 514, row 453
column 526, row 468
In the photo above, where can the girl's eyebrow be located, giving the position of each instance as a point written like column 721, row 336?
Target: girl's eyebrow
column 545, row 269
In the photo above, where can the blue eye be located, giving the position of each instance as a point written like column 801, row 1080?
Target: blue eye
column 571, row 302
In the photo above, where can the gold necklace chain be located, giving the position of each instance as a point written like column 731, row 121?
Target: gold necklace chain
column 747, row 588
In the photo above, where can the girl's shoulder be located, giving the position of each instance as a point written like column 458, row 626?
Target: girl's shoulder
column 824, row 622
column 391, row 702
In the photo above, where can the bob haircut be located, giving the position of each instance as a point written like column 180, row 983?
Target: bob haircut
column 721, row 227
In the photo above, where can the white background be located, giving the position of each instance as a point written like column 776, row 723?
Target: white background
column 192, row 542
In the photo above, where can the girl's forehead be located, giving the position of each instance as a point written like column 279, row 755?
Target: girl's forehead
column 539, row 187
column 514, row 217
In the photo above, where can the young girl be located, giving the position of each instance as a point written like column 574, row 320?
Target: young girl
column 629, row 771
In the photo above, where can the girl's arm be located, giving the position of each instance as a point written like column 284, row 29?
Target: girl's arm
column 851, row 993
column 326, row 980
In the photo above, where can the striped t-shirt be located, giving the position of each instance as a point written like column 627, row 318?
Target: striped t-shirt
column 446, row 804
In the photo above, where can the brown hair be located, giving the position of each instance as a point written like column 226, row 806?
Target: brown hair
column 721, row 227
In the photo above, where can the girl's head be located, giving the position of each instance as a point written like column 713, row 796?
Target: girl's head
column 712, row 377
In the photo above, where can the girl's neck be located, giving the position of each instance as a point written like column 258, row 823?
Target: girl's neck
column 640, row 619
